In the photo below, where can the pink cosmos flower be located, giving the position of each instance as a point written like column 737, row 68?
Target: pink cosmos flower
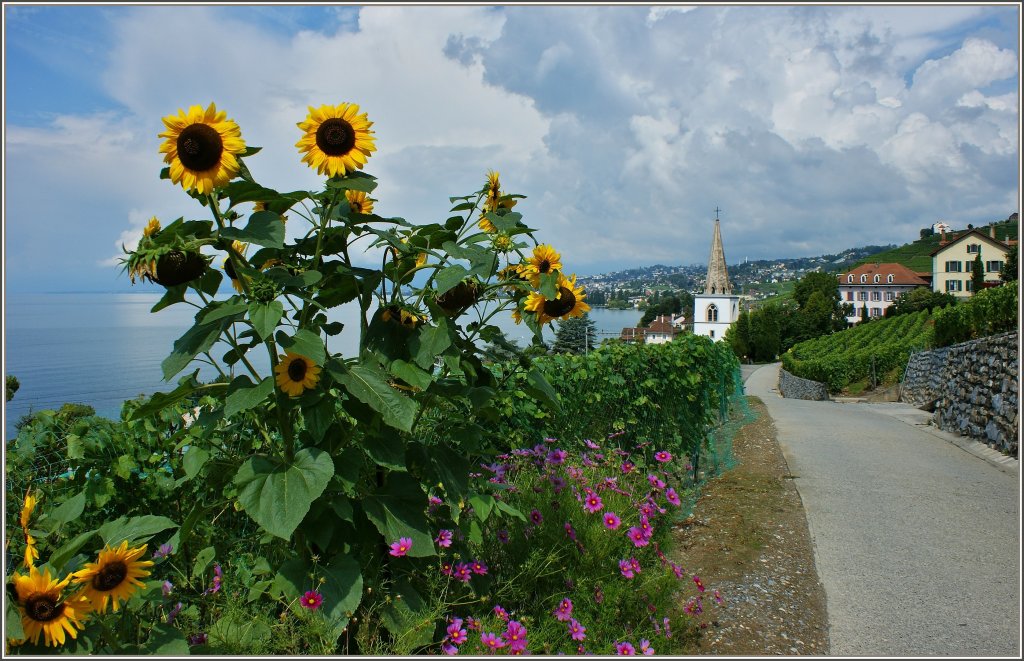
column 677, row 570
column 401, row 547
column 612, row 520
column 162, row 552
column 625, row 649
column 647, row 509
column 638, row 537
column 449, row 649
column 501, row 612
column 536, row 517
column 479, row 567
column 472, row 624
column 700, row 586
column 577, row 630
column 655, row 482
column 503, row 536
column 635, row 564
column 672, row 497
column 570, row 531
column 695, row 606
column 598, row 595
column 627, row 467
column 645, row 647
column 718, row 597
column 626, row 569
column 444, row 538
column 668, row 630
column 590, row 444
column 592, row 503
column 556, row 457
column 557, row 483
column 645, row 525
column 312, row 600
column 446, row 568
column 515, row 636
column 663, row 456
column 456, row 633
column 462, row 572
column 491, row 641
column 564, row 611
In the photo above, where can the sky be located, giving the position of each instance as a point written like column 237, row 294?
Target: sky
column 812, row 128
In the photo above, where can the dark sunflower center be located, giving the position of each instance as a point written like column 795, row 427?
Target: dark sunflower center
column 563, row 305
column 297, row 370
column 43, row 608
column 335, row 137
column 110, row 576
column 544, row 267
column 200, row 147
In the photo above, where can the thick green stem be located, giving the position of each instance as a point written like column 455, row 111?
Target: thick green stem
column 282, row 414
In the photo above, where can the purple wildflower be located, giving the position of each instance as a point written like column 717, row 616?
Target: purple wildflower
column 700, row 586
column 592, row 503
column 462, row 572
column 197, row 639
column 312, row 600
column 612, row 520
column 672, row 497
column 174, row 613
column 536, row 517
column 515, row 635
column 501, row 613
column 655, row 481
column 638, row 537
column 456, row 633
column 503, row 536
column 564, row 611
column 625, row 649
column 444, row 538
column 446, row 568
column 570, row 531
column 577, row 630
column 166, row 588
column 663, row 456
column 162, row 552
column 645, row 647
column 557, row 457
column 479, row 567
column 590, row 444
column 626, row 569
column 401, row 547
column 491, row 642
column 627, row 467
column 449, row 649
column 598, row 595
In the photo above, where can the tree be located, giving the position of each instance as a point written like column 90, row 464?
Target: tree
column 864, row 314
column 765, row 333
column 1009, row 271
column 738, row 336
column 816, row 281
column 12, row 386
column 977, row 275
column 920, row 298
column 575, row 335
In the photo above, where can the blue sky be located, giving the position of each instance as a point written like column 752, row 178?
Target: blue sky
column 813, row 128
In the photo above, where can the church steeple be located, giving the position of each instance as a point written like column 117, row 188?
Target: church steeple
column 718, row 275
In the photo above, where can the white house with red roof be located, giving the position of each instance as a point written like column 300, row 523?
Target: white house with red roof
column 875, row 286
column 953, row 261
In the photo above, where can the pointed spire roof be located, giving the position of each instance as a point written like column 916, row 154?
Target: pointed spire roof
column 718, row 275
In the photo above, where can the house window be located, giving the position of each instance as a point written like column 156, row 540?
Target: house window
column 849, row 295
column 953, row 267
column 954, row 285
column 890, row 278
column 993, row 266
column 863, row 279
column 712, row 332
column 876, row 296
column 970, row 285
column 712, row 314
column 862, row 296
column 849, row 278
column 878, row 278
column 888, row 295
column 876, row 312
column 973, row 248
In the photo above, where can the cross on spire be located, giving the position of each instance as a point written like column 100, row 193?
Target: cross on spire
column 716, row 212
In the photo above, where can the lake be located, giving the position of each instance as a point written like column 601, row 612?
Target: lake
column 101, row 349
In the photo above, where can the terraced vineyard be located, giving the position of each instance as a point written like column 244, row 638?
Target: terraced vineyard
column 848, row 356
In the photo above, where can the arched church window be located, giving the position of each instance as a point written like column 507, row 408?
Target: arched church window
column 712, row 312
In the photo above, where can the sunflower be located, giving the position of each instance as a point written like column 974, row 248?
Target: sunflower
column 492, row 191
column 201, row 147
column 113, row 577
column 151, row 228
column 27, row 508
column 545, row 260
column 44, row 612
column 31, row 552
column 296, row 373
column 239, row 248
column 568, row 303
column 358, row 201
column 262, row 206
column 408, row 318
column 337, row 139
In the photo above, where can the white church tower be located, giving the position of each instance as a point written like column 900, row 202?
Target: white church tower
column 715, row 309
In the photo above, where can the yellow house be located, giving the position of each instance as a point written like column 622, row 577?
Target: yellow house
column 953, row 261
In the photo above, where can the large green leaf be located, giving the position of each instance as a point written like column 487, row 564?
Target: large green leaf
column 387, row 451
column 397, row 511
column 428, row 343
column 12, row 621
column 265, row 316
column 243, row 394
column 159, row 401
column 69, row 510
column 305, row 343
column 175, row 294
column 277, row 495
column 449, row 277
column 166, row 640
column 264, row 229
column 342, row 589
column 367, row 383
column 196, row 340
column 135, row 529
column 216, row 311
column 61, row 556
column 411, row 374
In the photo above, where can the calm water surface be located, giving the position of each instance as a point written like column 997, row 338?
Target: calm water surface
column 101, row 349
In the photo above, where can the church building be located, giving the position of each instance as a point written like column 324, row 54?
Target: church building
column 717, row 308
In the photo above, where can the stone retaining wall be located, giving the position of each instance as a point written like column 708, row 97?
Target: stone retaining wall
column 972, row 388
column 795, row 387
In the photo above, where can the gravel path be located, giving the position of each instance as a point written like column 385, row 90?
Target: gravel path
column 917, row 542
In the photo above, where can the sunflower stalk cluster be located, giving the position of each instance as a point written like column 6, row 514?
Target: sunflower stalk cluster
column 331, row 457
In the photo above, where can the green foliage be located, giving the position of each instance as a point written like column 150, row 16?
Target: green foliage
column 920, row 298
column 671, row 305
column 851, row 355
column 977, row 274
column 12, row 386
column 575, row 335
column 992, row 310
column 1009, row 271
